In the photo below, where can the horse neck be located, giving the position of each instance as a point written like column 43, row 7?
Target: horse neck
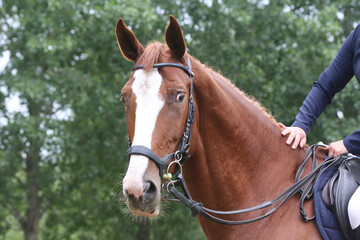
column 239, row 155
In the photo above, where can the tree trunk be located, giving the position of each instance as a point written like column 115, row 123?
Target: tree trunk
column 32, row 217
column 31, row 225
column 143, row 232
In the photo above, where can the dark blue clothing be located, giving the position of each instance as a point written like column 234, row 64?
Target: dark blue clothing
column 345, row 65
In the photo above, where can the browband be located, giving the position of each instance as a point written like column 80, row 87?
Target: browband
column 159, row 65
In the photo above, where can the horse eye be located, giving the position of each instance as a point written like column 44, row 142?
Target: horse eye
column 180, row 97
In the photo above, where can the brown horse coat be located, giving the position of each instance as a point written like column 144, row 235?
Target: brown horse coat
column 238, row 157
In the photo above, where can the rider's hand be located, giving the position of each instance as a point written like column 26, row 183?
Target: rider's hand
column 336, row 149
column 297, row 136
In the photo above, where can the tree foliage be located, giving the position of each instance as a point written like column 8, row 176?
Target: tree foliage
column 62, row 153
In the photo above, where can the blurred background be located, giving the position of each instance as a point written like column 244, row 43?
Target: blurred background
column 62, row 129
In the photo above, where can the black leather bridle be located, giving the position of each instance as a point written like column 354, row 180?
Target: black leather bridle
column 303, row 185
column 182, row 152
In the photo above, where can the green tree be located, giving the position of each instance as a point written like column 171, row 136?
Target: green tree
column 61, row 155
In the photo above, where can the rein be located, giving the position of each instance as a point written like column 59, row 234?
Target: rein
column 307, row 181
column 182, row 153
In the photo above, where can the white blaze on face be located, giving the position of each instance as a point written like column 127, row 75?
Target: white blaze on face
column 146, row 88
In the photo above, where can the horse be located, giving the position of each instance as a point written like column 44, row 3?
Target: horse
column 237, row 158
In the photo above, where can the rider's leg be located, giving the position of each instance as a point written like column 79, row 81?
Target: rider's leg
column 354, row 210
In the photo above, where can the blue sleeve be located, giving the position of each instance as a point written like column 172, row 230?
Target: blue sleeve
column 330, row 82
column 352, row 142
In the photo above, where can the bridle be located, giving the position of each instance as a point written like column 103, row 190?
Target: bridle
column 303, row 185
column 182, row 152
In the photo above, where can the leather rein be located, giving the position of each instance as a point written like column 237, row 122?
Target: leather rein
column 303, row 185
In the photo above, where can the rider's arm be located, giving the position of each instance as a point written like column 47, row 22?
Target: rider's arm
column 332, row 81
column 352, row 142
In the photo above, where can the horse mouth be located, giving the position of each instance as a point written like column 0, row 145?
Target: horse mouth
column 153, row 213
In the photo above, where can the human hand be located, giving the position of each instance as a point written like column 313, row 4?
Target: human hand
column 336, row 149
column 297, row 136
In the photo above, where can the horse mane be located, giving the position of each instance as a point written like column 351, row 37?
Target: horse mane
column 251, row 99
column 154, row 50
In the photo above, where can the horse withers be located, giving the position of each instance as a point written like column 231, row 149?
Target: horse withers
column 237, row 157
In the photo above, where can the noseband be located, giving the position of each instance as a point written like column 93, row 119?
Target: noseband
column 182, row 152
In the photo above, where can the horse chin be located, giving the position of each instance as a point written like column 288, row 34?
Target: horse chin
column 152, row 214
column 144, row 206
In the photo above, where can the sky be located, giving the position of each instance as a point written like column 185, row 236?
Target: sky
column 4, row 60
column 12, row 103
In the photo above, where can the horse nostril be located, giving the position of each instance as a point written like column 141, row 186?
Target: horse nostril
column 129, row 196
column 149, row 190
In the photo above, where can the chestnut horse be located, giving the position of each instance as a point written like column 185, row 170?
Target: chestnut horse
column 238, row 158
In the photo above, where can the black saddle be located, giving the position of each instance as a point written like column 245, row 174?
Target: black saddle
column 338, row 191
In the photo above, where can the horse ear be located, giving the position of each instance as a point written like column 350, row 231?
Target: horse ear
column 175, row 39
column 130, row 47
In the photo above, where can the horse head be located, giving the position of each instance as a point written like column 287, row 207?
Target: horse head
column 156, row 103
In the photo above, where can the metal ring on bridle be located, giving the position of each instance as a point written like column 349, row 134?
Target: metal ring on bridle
column 187, row 146
column 171, row 182
column 178, row 156
column 174, row 162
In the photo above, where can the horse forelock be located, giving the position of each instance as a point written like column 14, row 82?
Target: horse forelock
column 152, row 54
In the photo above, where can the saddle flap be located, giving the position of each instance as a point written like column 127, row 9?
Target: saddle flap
column 325, row 219
column 354, row 167
column 341, row 188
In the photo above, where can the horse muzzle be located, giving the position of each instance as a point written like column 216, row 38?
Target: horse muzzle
column 142, row 191
column 144, row 201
